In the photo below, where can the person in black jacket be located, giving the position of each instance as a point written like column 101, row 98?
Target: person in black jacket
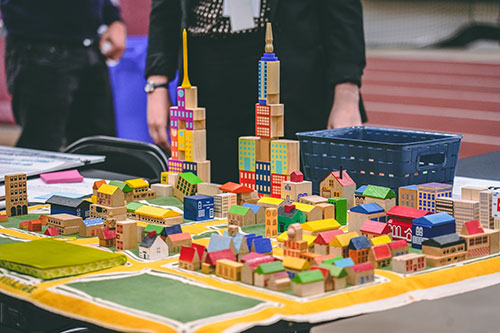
column 321, row 48
column 56, row 70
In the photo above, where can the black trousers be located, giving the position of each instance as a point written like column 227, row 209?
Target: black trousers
column 61, row 92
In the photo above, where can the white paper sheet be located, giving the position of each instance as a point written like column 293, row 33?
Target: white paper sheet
column 34, row 162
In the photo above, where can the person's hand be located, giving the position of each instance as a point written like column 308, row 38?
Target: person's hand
column 113, row 41
column 158, row 113
column 345, row 110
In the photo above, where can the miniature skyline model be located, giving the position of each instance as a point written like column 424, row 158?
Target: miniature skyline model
column 187, row 129
column 264, row 160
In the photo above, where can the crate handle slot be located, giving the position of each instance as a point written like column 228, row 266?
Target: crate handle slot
column 431, row 160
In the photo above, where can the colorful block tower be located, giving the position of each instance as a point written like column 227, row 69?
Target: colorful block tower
column 187, row 129
column 264, row 160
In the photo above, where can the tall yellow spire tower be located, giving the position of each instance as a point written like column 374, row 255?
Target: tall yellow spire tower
column 185, row 81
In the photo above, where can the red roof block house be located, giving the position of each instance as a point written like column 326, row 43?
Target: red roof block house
column 212, row 257
column 360, row 274
column 176, row 241
column 372, row 229
column 398, row 247
column 338, row 184
column 400, row 220
column 243, row 193
column 191, row 257
column 476, row 239
column 322, row 241
column 380, row 256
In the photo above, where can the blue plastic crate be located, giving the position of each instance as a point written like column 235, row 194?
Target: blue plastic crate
column 380, row 156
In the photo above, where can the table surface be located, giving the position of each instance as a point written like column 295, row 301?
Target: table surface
column 452, row 309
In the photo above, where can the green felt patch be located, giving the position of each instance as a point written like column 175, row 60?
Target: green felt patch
column 161, row 296
column 49, row 258
column 167, row 201
column 14, row 221
column 258, row 229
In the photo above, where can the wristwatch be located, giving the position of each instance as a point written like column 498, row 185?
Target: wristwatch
column 151, row 86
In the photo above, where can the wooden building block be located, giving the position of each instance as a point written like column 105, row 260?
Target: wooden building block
column 327, row 209
column 173, row 177
column 163, row 178
column 263, row 151
column 248, row 150
column 277, row 126
column 199, row 146
column 271, row 222
column 284, row 157
column 203, row 170
column 162, row 190
column 313, row 200
column 16, row 196
column 472, row 192
column 126, row 235
column 273, row 80
column 209, row 189
column 191, row 97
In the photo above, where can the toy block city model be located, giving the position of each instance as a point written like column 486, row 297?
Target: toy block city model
column 383, row 196
column 485, row 214
column 463, row 211
column 16, row 196
column 339, row 244
column 288, row 215
column 340, row 209
column 199, row 208
column 107, row 237
column 153, row 247
column 59, row 204
column 431, row 226
column 359, row 214
column 408, row 263
column 243, row 193
column 162, row 190
column 338, row 184
column 478, row 241
column 187, row 129
column 191, row 257
column 408, row 196
column 151, row 214
column 380, row 256
column 110, row 205
column 264, row 160
column 139, row 190
column 91, row 227
column 372, row 229
column 322, row 241
column 240, row 216
column 126, row 235
column 65, row 224
column 223, row 202
column 443, row 250
column 186, row 185
column 429, row 192
column 271, row 222
column 400, row 220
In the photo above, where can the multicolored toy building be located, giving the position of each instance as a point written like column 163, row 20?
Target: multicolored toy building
column 187, row 129
column 265, row 160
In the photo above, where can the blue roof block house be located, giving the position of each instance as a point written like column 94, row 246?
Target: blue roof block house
column 359, row 249
column 199, row 207
column 431, row 226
